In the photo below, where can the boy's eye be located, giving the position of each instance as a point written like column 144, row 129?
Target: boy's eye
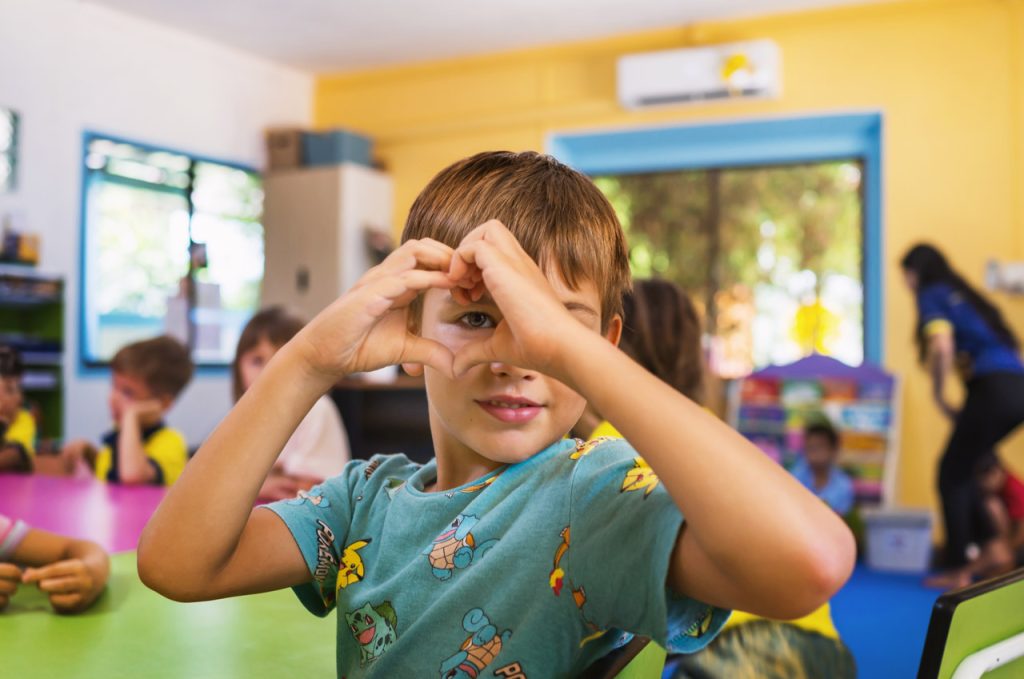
column 477, row 320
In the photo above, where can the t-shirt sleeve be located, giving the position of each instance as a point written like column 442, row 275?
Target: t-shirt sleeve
column 933, row 310
column 622, row 529
column 12, row 532
column 319, row 522
column 167, row 452
column 22, row 433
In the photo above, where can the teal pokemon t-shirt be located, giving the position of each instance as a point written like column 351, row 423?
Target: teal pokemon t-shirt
column 535, row 570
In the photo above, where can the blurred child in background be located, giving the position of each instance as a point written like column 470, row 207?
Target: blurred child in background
column 319, row 447
column 818, row 471
column 17, row 426
column 662, row 332
column 146, row 378
column 998, row 527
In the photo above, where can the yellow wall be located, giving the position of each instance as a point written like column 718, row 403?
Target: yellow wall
column 946, row 74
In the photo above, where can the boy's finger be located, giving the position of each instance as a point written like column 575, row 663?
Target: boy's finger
column 494, row 231
column 480, row 255
column 8, row 571
column 423, row 254
column 66, row 602
column 397, row 291
column 62, row 585
column 428, row 352
column 8, row 587
column 54, row 570
column 473, row 353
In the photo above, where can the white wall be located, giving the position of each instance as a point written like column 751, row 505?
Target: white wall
column 67, row 66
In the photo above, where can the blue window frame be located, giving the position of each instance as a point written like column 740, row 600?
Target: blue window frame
column 750, row 144
column 171, row 243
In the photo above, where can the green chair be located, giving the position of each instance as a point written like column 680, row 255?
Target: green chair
column 977, row 630
column 641, row 658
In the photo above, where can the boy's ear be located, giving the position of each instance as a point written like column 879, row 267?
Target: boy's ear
column 413, row 369
column 166, row 402
column 614, row 332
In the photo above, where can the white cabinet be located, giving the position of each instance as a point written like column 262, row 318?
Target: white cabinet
column 316, row 222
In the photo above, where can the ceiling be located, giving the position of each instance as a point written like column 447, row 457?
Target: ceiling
column 339, row 35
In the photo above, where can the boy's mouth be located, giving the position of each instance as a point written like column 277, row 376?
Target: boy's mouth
column 510, row 409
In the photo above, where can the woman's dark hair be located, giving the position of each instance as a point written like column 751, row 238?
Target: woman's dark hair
column 273, row 324
column 661, row 332
column 931, row 267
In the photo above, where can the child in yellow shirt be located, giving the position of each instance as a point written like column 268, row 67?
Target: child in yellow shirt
column 146, row 378
column 18, row 450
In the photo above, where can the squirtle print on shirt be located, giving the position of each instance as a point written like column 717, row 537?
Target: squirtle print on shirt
column 479, row 650
column 456, row 547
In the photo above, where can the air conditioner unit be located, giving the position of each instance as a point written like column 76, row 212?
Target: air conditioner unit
column 741, row 69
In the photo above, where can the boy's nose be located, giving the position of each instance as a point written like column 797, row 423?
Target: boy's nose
column 507, row 370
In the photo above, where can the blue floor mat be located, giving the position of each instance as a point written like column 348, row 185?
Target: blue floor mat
column 883, row 618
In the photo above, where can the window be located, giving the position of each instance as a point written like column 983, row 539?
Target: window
column 172, row 244
column 836, row 158
column 8, row 150
column 771, row 255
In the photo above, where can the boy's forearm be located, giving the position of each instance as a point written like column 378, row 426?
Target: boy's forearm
column 749, row 515
column 197, row 527
column 131, row 453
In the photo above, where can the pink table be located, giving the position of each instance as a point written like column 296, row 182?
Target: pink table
column 109, row 514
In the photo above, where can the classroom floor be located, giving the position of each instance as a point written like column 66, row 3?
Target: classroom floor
column 883, row 618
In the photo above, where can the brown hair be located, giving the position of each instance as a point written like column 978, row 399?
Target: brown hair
column 162, row 363
column 273, row 324
column 557, row 214
column 11, row 364
column 661, row 332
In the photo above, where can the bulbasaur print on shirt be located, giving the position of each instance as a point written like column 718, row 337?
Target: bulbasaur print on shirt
column 537, row 569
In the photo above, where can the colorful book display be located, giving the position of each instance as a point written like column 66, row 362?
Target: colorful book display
column 771, row 407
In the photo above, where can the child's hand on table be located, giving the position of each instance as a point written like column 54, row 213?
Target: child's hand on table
column 76, row 455
column 10, row 577
column 70, row 585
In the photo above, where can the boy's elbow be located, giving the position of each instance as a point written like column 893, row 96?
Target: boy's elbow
column 157, row 573
column 138, row 477
column 824, row 567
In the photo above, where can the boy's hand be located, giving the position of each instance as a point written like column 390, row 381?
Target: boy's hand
column 531, row 331
column 75, row 453
column 10, row 576
column 144, row 412
column 369, row 326
column 70, row 584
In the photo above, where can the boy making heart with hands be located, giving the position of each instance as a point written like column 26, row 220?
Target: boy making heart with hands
column 515, row 550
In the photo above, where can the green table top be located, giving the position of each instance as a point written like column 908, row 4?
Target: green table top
column 134, row 632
